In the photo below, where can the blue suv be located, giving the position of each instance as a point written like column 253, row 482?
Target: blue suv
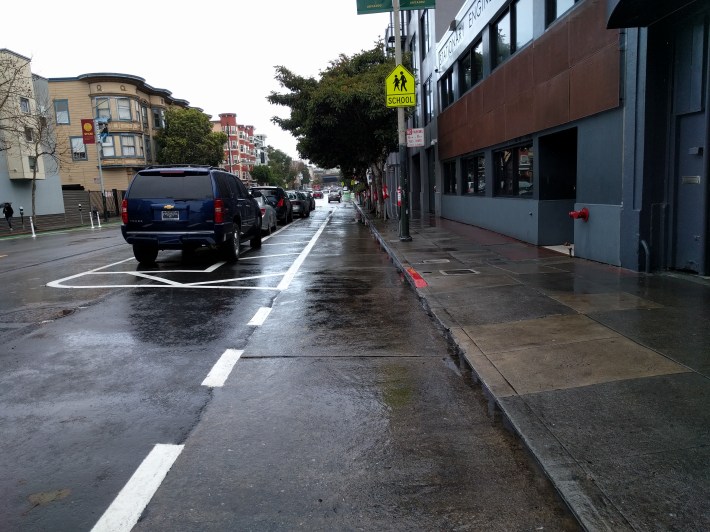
column 186, row 207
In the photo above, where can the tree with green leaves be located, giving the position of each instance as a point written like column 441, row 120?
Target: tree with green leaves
column 187, row 138
column 262, row 174
column 280, row 166
column 340, row 120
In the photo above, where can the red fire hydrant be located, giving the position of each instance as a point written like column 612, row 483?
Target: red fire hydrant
column 582, row 214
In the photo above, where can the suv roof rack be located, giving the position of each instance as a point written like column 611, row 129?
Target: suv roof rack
column 178, row 166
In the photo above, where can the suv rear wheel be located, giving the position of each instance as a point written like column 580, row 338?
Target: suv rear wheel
column 145, row 254
column 230, row 248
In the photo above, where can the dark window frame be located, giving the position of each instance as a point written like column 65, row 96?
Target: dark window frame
column 509, row 170
column 473, row 174
column 449, row 178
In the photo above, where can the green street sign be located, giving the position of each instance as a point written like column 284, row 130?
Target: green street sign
column 382, row 6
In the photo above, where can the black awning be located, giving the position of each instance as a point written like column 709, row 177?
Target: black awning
column 640, row 13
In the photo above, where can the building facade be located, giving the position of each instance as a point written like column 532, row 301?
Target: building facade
column 240, row 152
column 28, row 98
column 134, row 112
column 535, row 109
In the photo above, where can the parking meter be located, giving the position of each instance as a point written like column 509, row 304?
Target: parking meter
column 22, row 215
column 81, row 216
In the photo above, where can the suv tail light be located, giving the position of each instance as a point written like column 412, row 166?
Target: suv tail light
column 263, row 211
column 218, row 211
column 124, row 211
column 280, row 203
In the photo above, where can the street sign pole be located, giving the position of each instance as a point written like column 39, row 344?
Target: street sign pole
column 402, row 155
column 99, row 153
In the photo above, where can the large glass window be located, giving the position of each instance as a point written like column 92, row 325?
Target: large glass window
column 103, row 108
column 123, row 107
column 554, row 9
column 447, row 89
column 158, row 118
column 144, row 116
column 107, row 147
column 523, row 23
column 128, row 146
column 471, row 67
column 78, row 149
column 514, row 171
column 474, row 174
column 450, row 178
column 424, row 33
column 513, row 30
column 428, row 102
column 61, row 111
column 501, row 34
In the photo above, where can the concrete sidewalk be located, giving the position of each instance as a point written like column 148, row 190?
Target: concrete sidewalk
column 602, row 372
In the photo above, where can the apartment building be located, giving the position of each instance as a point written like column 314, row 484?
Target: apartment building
column 240, row 150
column 539, row 112
column 133, row 112
column 27, row 103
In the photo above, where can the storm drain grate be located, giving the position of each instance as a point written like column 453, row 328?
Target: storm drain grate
column 464, row 271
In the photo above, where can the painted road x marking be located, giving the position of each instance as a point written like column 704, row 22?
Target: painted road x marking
column 157, row 279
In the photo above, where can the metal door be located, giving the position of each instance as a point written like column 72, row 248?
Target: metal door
column 691, row 195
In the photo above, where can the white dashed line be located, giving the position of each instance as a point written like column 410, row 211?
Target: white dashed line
column 127, row 507
column 260, row 316
column 221, row 370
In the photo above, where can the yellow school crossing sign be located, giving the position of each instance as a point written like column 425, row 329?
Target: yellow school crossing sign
column 400, row 89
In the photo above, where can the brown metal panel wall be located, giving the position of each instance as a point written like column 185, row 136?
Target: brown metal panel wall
column 594, row 83
column 570, row 72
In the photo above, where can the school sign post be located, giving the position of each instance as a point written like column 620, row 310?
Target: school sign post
column 400, row 90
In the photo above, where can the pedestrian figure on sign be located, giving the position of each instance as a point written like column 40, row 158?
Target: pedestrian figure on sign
column 8, row 212
column 396, row 83
column 402, row 81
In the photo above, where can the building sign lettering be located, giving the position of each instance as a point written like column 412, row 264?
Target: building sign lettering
column 470, row 21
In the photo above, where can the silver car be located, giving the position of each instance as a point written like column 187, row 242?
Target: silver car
column 268, row 214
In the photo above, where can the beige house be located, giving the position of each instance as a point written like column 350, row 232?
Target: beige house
column 133, row 112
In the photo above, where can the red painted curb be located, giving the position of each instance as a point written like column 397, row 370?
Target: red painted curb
column 419, row 281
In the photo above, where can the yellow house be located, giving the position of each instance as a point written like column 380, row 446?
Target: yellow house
column 132, row 111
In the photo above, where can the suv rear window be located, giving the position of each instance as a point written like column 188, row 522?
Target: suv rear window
column 146, row 186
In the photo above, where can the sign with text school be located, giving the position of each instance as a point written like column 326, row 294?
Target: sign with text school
column 383, row 6
column 400, row 88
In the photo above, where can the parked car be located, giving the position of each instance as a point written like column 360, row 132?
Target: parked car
column 300, row 203
column 334, row 195
column 268, row 213
column 186, row 207
column 311, row 199
column 318, row 194
column 279, row 200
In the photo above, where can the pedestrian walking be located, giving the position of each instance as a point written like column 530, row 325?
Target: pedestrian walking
column 8, row 212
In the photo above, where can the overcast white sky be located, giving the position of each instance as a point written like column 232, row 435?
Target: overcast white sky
column 217, row 54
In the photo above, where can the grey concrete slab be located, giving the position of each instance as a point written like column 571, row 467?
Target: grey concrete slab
column 550, row 330
column 499, row 304
column 680, row 333
column 588, row 303
column 556, row 367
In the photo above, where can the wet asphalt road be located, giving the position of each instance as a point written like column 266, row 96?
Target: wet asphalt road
column 347, row 410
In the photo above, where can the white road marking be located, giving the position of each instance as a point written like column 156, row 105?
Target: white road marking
column 160, row 282
column 293, row 270
column 221, row 370
column 127, row 507
column 260, row 316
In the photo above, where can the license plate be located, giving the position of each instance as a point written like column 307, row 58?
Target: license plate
column 171, row 215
